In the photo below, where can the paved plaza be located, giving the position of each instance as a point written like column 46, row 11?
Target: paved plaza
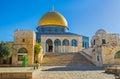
column 71, row 72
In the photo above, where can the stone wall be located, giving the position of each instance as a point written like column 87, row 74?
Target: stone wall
column 103, row 48
column 17, row 75
column 103, row 55
column 108, row 55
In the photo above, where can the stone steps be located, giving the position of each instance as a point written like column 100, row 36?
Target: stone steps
column 65, row 59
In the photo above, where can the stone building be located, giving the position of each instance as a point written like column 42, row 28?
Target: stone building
column 23, row 44
column 54, row 36
column 101, row 37
column 105, row 49
column 52, row 32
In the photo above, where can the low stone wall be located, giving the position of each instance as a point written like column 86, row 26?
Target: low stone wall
column 16, row 72
column 16, row 75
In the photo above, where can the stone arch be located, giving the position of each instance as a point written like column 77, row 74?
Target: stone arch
column 74, row 42
column 65, row 42
column 117, row 54
column 113, row 52
column 57, row 45
column 57, row 42
column 49, row 45
column 21, row 52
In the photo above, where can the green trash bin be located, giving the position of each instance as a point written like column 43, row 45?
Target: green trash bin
column 34, row 67
column 25, row 61
column 37, row 66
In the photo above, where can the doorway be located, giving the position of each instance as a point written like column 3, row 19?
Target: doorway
column 50, row 48
column 49, row 45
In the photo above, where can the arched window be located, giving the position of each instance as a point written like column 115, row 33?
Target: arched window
column 57, row 42
column 74, row 43
column 65, row 42
column 117, row 55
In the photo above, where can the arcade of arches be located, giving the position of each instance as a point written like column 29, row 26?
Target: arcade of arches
column 57, row 44
column 61, row 44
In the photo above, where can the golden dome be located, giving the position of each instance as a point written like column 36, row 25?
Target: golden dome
column 53, row 19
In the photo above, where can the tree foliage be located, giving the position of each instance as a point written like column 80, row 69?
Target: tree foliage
column 5, row 50
column 37, row 48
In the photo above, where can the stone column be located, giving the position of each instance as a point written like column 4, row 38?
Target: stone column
column 60, row 50
column 53, row 46
column 44, row 46
column 69, row 47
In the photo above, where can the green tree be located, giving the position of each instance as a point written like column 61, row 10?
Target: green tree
column 37, row 48
column 37, row 51
column 5, row 50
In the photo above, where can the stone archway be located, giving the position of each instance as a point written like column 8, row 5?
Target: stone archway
column 74, row 43
column 49, row 45
column 115, row 55
column 21, row 53
column 65, row 42
column 57, row 44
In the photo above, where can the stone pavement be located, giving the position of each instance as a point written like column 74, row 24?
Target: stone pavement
column 71, row 72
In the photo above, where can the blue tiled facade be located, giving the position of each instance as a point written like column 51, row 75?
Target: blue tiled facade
column 52, row 29
column 85, row 42
column 60, row 31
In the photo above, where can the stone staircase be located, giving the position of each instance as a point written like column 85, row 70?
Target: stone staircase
column 65, row 59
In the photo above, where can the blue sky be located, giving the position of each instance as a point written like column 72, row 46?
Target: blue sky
column 84, row 17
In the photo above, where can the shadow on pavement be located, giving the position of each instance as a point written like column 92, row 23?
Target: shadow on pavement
column 75, row 68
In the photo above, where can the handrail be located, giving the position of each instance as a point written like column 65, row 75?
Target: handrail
column 87, row 54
